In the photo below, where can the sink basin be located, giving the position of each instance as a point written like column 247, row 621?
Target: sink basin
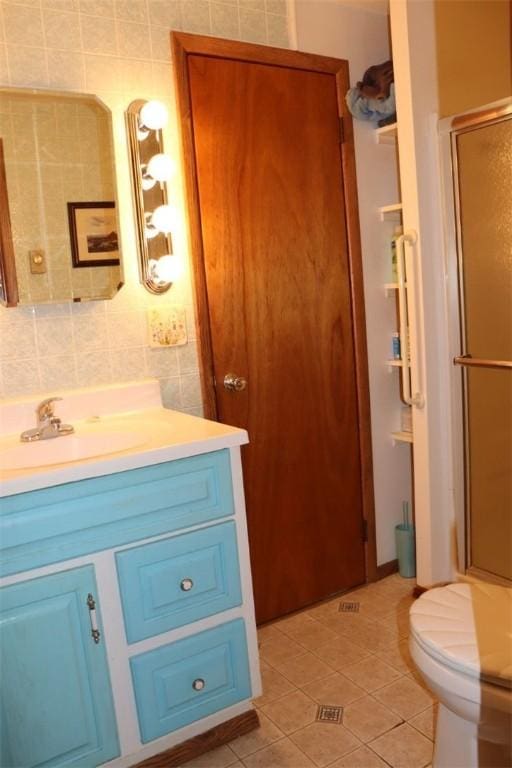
column 62, row 450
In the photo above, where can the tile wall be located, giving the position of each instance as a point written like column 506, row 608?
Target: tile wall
column 118, row 50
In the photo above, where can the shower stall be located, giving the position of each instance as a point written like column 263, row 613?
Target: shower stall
column 478, row 151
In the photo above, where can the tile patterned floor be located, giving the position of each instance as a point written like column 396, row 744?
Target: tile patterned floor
column 357, row 659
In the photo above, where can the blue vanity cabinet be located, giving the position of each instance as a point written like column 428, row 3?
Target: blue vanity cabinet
column 164, row 547
column 56, row 699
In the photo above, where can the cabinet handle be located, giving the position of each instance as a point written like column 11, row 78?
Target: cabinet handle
column 186, row 585
column 198, row 684
column 91, row 604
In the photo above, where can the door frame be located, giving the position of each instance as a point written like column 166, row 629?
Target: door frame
column 184, row 44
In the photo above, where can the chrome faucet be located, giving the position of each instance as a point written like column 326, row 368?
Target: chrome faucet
column 48, row 425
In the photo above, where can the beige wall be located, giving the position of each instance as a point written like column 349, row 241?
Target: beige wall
column 474, row 54
column 118, row 50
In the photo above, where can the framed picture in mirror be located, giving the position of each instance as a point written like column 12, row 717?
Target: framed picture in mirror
column 93, row 234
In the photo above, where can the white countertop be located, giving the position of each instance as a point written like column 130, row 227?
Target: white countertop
column 165, row 435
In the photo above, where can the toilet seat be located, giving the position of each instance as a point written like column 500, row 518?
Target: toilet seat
column 468, row 628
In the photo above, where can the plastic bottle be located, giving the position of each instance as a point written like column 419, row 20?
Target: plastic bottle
column 395, row 346
column 394, row 269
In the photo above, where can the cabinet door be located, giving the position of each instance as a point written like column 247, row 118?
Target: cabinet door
column 56, row 701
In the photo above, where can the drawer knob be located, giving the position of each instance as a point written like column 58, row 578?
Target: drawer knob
column 186, row 585
column 198, row 684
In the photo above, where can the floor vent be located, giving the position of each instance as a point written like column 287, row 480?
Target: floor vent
column 328, row 714
column 346, row 607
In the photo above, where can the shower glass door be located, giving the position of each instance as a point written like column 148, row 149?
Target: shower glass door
column 482, row 161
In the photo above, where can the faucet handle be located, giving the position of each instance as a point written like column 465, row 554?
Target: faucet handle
column 45, row 408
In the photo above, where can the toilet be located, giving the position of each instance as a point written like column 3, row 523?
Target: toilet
column 461, row 642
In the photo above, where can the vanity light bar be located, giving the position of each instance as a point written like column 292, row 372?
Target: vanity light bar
column 151, row 169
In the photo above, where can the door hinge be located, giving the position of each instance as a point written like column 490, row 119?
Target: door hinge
column 365, row 530
column 342, row 130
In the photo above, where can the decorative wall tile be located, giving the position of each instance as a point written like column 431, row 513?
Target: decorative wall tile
column 162, row 362
column 3, row 61
column 133, row 40
column 171, row 393
column 160, row 43
column 253, row 28
column 277, row 29
column 196, row 16
column 18, row 338
column 54, row 336
column 162, row 83
column 23, row 25
column 104, row 47
column 187, row 358
column 93, row 368
column 97, row 7
column 225, row 20
column 98, row 35
column 54, row 310
column 252, row 5
column 165, row 13
column 62, row 30
column 57, row 372
column 90, row 332
column 128, row 364
column 135, row 74
column 27, row 66
column 66, row 71
column 127, row 330
column 97, row 68
column 61, row 5
column 276, row 6
column 131, row 10
column 191, row 390
column 21, row 376
column 31, row 3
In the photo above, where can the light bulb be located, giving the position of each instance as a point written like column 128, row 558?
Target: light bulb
column 167, row 269
column 160, row 167
column 164, row 218
column 153, row 115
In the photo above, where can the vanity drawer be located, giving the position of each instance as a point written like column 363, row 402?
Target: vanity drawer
column 176, row 581
column 185, row 681
column 65, row 521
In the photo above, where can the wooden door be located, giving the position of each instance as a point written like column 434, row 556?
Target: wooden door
column 278, row 307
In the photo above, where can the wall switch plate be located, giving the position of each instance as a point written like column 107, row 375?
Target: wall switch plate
column 37, row 261
column 167, row 326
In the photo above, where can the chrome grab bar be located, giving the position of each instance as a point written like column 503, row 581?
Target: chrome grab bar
column 417, row 398
column 478, row 362
column 402, row 319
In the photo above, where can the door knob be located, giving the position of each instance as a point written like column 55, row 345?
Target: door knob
column 234, row 383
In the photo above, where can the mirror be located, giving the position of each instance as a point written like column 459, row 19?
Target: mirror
column 57, row 177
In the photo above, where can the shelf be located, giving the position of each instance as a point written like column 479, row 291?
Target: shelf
column 395, row 363
column 390, row 212
column 386, row 135
column 401, row 437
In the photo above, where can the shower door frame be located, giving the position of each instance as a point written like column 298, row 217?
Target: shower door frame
column 449, row 129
